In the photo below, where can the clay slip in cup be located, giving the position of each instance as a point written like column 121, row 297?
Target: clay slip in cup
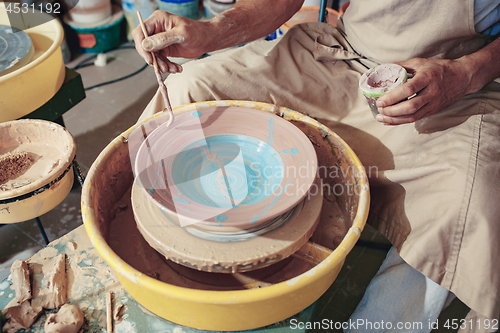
column 380, row 80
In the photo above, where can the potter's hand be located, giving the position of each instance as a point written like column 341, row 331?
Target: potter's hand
column 170, row 36
column 437, row 84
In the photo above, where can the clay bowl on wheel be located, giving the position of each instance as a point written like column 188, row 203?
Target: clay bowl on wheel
column 111, row 177
column 226, row 168
column 48, row 180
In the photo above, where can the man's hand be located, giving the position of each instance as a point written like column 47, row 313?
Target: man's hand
column 171, row 36
column 436, row 84
column 177, row 36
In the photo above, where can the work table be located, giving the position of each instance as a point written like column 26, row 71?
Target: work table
column 89, row 280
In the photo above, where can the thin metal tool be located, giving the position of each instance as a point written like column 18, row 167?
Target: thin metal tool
column 161, row 84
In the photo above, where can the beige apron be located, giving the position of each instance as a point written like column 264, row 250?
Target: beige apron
column 434, row 183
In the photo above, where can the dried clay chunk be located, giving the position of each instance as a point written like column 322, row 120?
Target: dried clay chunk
column 21, row 280
column 69, row 319
column 20, row 316
column 12, row 165
column 50, row 288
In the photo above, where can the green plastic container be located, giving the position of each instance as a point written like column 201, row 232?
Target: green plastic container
column 100, row 38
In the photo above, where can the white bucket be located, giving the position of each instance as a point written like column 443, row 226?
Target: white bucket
column 90, row 11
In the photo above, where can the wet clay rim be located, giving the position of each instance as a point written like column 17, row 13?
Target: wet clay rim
column 178, row 245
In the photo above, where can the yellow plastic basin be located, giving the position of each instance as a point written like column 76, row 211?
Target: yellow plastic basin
column 111, row 175
column 44, row 193
column 31, row 86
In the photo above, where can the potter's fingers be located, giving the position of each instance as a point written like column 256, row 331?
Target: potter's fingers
column 138, row 38
column 406, row 107
column 179, row 68
column 394, row 120
column 424, row 111
column 163, row 65
column 176, row 68
column 171, row 67
column 399, row 120
column 160, row 41
column 406, row 90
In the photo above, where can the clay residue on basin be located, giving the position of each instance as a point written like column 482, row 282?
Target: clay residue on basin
column 34, row 152
column 12, row 165
column 27, row 163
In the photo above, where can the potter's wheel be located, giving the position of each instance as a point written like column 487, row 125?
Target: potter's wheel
column 226, row 252
column 173, row 294
column 16, row 49
column 226, row 189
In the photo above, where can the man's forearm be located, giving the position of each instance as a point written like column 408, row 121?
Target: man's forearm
column 483, row 65
column 249, row 20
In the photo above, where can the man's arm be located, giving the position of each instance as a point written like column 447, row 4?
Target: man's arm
column 438, row 83
column 177, row 36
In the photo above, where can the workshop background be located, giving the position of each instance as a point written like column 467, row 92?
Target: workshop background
column 118, row 85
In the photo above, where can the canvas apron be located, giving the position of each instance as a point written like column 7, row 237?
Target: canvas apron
column 434, row 183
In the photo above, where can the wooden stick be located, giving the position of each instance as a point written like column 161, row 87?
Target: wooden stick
column 109, row 313
column 161, row 84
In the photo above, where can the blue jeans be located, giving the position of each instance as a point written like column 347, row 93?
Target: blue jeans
column 398, row 299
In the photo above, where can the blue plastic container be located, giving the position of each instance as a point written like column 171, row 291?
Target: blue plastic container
column 186, row 8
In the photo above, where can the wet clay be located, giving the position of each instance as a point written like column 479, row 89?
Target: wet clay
column 69, row 319
column 12, row 165
column 21, row 280
column 382, row 78
column 272, row 152
column 21, row 316
column 176, row 243
column 49, row 292
column 50, row 283
column 128, row 243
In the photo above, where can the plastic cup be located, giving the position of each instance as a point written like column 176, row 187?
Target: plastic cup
column 379, row 80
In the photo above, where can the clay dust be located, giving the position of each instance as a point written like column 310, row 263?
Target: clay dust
column 12, row 165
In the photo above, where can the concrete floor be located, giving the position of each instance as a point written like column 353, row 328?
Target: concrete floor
column 103, row 115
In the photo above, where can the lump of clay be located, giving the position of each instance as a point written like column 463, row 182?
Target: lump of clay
column 69, row 319
column 20, row 316
column 50, row 290
column 21, row 280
